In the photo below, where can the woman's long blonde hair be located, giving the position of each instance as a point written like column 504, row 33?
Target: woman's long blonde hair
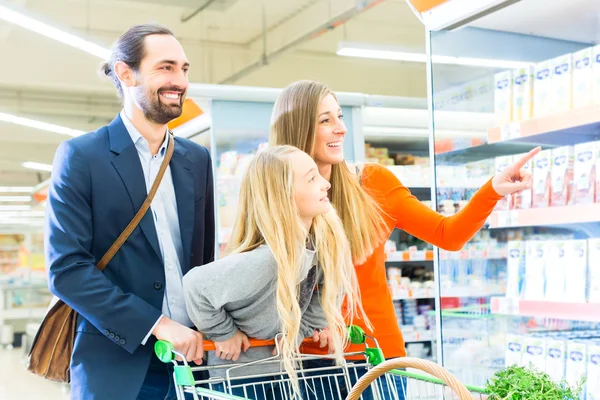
column 294, row 122
column 268, row 215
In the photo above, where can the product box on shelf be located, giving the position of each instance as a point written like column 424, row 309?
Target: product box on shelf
column 542, row 89
column 562, row 176
column 522, row 97
column 594, row 270
column 556, row 351
column 576, row 278
column 503, row 84
column 514, row 350
column 584, row 179
column 523, row 200
column 535, row 269
column 596, row 74
column 593, row 371
column 542, row 179
column 535, row 352
column 515, row 268
column 576, row 362
column 502, row 163
column 582, row 78
column 556, row 265
column 562, row 83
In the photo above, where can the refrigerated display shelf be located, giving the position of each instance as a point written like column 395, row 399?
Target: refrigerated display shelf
column 548, row 216
column 589, row 312
column 458, row 291
column 563, row 129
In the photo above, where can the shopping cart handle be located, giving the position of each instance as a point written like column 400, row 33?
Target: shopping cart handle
column 166, row 352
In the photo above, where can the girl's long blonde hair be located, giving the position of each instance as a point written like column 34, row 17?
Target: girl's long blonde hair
column 268, row 215
column 294, row 122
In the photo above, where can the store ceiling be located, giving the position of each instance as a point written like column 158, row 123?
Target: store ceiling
column 49, row 81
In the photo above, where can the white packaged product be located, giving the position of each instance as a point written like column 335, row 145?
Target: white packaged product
column 522, row 97
column 562, row 176
column 503, row 83
column 594, row 270
column 576, row 277
column 556, row 265
column 515, row 269
column 582, row 78
column 514, row 350
column 535, row 267
column 556, row 351
column 562, row 83
column 542, row 180
column 593, row 372
column 576, row 362
column 596, row 74
column 535, row 352
column 542, row 89
column 584, row 175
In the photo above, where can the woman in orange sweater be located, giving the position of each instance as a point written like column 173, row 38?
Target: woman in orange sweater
column 371, row 201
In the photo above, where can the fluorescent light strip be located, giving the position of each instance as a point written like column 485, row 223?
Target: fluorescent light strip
column 382, row 54
column 39, row 125
column 16, row 189
column 14, row 199
column 37, row 166
column 44, row 29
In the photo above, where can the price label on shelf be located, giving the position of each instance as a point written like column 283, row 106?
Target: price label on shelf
column 513, row 218
column 505, row 132
column 419, row 255
column 514, row 130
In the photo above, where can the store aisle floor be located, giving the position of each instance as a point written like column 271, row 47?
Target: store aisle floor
column 18, row 384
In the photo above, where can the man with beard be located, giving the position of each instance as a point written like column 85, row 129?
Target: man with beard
column 99, row 182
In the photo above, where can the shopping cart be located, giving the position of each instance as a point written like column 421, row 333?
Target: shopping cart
column 324, row 383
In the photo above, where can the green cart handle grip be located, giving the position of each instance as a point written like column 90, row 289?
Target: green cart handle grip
column 164, row 351
column 356, row 335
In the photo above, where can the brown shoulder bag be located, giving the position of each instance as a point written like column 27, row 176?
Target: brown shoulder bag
column 50, row 354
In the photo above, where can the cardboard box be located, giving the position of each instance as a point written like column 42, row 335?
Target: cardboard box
column 583, row 78
column 584, row 172
column 562, row 83
column 542, row 89
column 503, row 84
column 522, row 97
column 542, row 179
column 562, row 176
column 576, row 278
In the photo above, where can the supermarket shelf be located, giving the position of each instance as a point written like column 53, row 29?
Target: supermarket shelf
column 410, row 256
column 546, row 309
column 458, row 291
column 549, row 216
column 418, row 336
column 563, row 129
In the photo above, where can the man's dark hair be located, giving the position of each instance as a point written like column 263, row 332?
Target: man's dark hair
column 130, row 49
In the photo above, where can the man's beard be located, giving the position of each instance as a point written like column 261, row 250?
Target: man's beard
column 155, row 110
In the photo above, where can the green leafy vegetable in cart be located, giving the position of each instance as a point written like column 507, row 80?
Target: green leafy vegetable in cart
column 526, row 383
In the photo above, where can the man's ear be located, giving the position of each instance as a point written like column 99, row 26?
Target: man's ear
column 125, row 74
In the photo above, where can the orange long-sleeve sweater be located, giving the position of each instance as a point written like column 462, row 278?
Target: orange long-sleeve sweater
column 404, row 211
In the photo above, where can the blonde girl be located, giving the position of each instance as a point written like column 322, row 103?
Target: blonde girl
column 287, row 270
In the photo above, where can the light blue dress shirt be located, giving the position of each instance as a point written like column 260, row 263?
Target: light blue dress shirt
column 166, row 221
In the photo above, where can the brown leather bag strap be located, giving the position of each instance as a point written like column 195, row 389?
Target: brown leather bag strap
column 142, row 211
